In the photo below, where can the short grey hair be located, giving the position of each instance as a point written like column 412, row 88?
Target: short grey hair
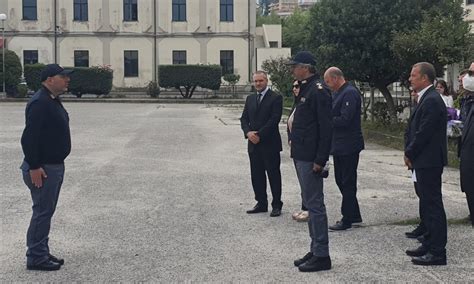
column 260, row 72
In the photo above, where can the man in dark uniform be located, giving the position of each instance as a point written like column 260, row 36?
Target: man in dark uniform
column 46, row 142
column 310, row 138
column 426, row 155
column 347, row 142
column 259, row 122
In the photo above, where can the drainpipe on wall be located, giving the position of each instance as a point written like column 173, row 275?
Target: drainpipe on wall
column 250, row 47
column 55, row 32
column 155, row 67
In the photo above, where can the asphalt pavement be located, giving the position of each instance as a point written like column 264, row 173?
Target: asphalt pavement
column 158, row 193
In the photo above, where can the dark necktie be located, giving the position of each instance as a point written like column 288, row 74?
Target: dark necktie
column 259, row 98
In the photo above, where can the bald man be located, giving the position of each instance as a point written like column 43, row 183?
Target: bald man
column 347, row 142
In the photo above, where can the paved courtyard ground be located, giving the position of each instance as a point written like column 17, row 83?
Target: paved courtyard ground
column 158, row 193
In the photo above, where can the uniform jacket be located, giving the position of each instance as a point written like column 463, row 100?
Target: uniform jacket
column 264, row 118
column 312, row 123
column 425, row 136
column 346, row 111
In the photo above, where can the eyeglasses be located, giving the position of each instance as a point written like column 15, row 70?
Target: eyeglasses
column 296, row 86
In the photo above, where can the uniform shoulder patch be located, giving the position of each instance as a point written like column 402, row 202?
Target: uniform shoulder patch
column 319, row 86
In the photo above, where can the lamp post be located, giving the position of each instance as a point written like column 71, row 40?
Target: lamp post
column 3, row 17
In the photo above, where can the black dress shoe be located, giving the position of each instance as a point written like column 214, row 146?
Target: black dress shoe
column 305, row 258
column 316, row 264
column 60, row 261
column 45, row 266
column 415, row 233
column 419, row 251
column 423, row 237
column 429, row 259
column 257, row 209
column 340, row 226
column 275, row 212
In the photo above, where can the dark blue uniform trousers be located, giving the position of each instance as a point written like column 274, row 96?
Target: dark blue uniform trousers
column 44, row 200
column 345, row 171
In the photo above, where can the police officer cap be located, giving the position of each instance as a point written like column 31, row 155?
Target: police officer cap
column 303, row 57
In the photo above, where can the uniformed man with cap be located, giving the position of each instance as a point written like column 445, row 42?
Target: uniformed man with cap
column 310, row 137
column 46, row 142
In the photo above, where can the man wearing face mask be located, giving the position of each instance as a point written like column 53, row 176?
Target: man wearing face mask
column 46, row 142
column 467, row 143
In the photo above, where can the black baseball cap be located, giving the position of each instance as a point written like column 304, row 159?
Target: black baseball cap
column 52, row 70
column 303, row 57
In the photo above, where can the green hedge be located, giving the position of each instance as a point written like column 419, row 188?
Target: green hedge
column 95, row 80
column 32, row 73
column 13, row 74
column 189, row 77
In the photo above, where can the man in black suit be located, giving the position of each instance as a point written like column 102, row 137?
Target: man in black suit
column 426, row 155
column 259, row 122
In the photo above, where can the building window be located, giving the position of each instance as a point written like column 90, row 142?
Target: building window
column 30, row 57
column 469, row 2
column 81, row 58
column 227, row 10
column 227, row 61
column 80, row 10
column 273, row 44
column 179, row 10
column 130, row 10
column 179, row 56
column 130, row 63
column 29, row 10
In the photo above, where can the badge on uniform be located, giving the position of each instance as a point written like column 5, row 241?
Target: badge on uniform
column 347, row 103
column 303, row 99
column 319, row 85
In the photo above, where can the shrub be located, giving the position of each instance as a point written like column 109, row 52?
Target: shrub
column 95, row 80
column 13, row 75
column 381, row 113
column 189, row 77
column 280, row 74
column 22, row 90
column 231, row 78
column 32, row 73
column 153, row 90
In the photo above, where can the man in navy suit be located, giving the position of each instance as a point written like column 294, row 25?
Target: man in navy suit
column 347, row 142
column 425, row 156
column 259, row 122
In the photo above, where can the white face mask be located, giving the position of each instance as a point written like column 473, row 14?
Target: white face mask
column 468, row 83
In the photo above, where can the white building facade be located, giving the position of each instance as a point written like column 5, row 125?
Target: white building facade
column 135, row 36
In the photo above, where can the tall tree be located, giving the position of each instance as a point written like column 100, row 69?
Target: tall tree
column 295, row 33
column 378, row 41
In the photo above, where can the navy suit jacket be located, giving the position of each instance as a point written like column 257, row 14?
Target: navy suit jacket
column 425, row 137
column 346, row 111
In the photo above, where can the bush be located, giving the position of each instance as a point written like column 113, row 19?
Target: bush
column 280, row 74
column 153, row 90
column 32, row 73
column 22, row 90
column 189, row 77
column 381, row 113
column 231, row 78
column 95, row 80
column 13, row 74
